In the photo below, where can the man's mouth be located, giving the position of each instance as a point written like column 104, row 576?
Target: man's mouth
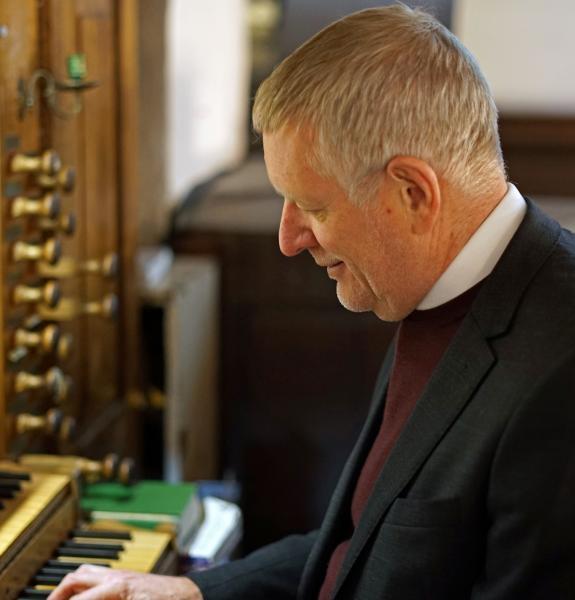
column 327, row 265
column 334, row 266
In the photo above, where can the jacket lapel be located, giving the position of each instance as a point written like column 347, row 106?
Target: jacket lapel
column 338, row 512
column 460, row 371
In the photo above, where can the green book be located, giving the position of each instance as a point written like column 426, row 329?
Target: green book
column 174, row 507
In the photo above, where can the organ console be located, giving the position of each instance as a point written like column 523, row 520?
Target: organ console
column 42, row 537
column 67, row 298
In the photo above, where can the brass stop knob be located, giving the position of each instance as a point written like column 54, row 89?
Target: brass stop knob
column 67, row 429
column 52, row 423
column 107, row 307
column 70, row 267
column 107, row 266
column 65, row 224
column 49, row 423
column 47, row 163
column 96, row 470
column 65, row 346
column 126, row 471
column 50, row 251
column 46, row 206
column 111, row 468
column 46, row 340
column 64, row 179
column 52, row 381
column 49, row 294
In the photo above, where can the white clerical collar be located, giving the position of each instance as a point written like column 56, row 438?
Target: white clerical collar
column 480, row 254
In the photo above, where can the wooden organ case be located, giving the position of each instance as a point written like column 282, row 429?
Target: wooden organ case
column 68, row 178
column 65, row 244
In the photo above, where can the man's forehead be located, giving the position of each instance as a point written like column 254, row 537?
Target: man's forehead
column 284, row 159
column 288, row 148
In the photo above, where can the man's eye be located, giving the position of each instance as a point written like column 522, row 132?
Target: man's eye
column 319, row 214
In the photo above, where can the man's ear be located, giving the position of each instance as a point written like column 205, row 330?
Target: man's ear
column 418, row 187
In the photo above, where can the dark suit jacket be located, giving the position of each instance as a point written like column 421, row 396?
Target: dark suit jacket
column 477, row 498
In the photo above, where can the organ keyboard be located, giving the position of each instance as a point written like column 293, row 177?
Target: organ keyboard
column 40, row 540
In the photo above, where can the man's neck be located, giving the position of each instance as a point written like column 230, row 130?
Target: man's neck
column 481, row 250
column 464, row 215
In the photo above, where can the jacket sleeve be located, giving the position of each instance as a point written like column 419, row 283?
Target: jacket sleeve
column 273, row 571
column 530, row 546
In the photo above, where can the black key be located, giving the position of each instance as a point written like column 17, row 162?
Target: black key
column 71, row 565
column 7, row 494
column 87, row 553
column 11, row 475
column 103, row 535
column 33, row 593
column 54, row 571
column 47, row 579
column 73, row 544
column 14, row 486
column 1, row 505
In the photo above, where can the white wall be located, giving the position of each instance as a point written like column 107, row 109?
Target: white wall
column 207, row 86
column 526, row 48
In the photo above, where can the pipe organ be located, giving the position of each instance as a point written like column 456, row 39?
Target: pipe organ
column 68, row 181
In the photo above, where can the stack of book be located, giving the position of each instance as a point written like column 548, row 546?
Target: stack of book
column 157, row 505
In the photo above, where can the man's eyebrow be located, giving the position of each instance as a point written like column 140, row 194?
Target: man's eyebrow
column 289, row 197
column 296, row 201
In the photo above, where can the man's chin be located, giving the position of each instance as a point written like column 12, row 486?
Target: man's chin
column 353, row 302
column 360, row 303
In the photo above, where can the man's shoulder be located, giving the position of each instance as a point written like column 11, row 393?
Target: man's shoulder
column 528, row 300
column 558, row 271
column 566, row 245
column 542, row 252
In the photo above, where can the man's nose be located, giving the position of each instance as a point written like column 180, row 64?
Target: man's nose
column 294, row 234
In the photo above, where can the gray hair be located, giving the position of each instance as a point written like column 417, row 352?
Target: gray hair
column 384, row 82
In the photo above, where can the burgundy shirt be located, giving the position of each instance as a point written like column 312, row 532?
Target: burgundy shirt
column 423, row 337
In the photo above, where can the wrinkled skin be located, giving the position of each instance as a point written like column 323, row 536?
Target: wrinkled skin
column 100, row 583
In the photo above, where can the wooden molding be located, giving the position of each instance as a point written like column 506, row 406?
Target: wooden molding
column 540, row 153
column 129, row 169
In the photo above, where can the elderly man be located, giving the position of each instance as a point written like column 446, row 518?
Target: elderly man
column 381, row 134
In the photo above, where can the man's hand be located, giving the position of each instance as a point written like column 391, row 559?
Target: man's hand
column 100, row 583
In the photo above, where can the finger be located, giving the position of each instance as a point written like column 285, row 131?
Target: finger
column 87, row 576
column 95, row 569
column 104, row 591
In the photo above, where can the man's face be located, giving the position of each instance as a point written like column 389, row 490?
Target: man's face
column 365, row 249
